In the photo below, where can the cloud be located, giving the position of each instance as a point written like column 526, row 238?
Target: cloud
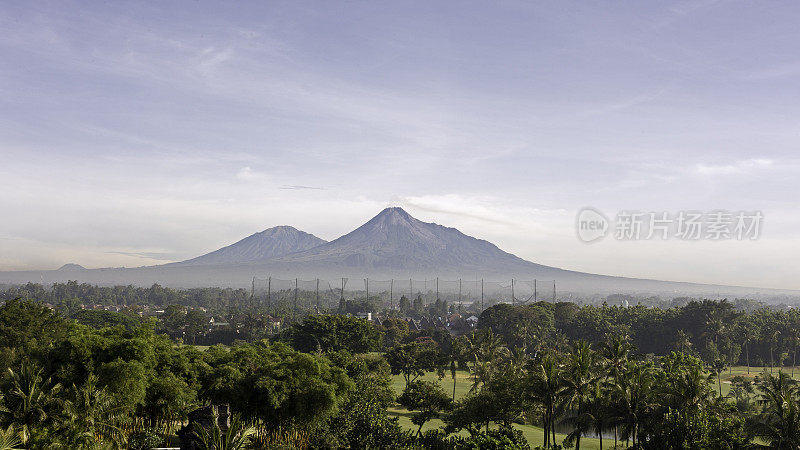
column 790, row 70
column 160, row 256
column 248, row 174
column 300, row 187
column 739, row 167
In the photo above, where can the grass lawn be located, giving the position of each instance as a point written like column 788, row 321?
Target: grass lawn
column 742, row 371
column 202, row 348
column 534, row 435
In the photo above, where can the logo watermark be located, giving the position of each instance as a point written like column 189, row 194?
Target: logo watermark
column 717, row 225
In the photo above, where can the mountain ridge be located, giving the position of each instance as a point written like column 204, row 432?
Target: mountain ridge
column 258, row 247
column 395, row 240
column 392, row 245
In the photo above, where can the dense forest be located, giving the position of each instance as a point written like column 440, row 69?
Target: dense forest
column 547, row 375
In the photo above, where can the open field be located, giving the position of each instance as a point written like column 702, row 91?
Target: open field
column 742, row 371
column 535, row 435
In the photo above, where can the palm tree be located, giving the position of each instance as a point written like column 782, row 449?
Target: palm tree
column 779, row 423
column 794, row 336
column 718, row 366
column 94, row 416
column 10, row 439
column 690, row 392
column 578, row 385
column 747, row 336
column 486, row 352
column 773, row 341
column 236, row 437
column 456, row 355
column 682, row 341
column 630, row 394
column 615, row 351
column 544, row 385
column 598, row 411
column 31, row 399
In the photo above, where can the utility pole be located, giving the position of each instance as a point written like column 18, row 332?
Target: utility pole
column 366, row 283
column 534, row 290
column 410, row 289
column 342, row 299
column 554, row 291
column 295, row 299
column 459, row 291
column 437, row 288
column 391, row 294
column 513, row 300
column 481, row 294
column 269, row 294
column 317, row 295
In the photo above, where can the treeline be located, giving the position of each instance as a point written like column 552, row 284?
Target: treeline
column 739, row 333
column 68, row 385
column 72, row 294
column 712, row 330
column 325, row 382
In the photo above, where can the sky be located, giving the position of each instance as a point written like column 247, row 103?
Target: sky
column 146, row 132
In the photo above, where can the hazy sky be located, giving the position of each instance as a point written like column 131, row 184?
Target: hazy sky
column 139, row 133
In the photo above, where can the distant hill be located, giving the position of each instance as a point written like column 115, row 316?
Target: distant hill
column 71, row 267
column 258, row 247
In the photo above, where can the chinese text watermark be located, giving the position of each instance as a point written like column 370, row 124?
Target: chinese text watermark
column 592, row 225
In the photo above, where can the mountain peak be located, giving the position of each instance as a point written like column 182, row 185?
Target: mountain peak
column 394, row 210
column 393, row 215
column 394, row 240
column 280, row 229
column 259, row 247
column 71, row 267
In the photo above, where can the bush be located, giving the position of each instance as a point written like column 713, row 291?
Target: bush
column 144, row 440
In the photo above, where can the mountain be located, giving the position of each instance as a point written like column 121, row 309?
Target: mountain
column 391, row 245
column 258, row 247
column 71, row 267
column 395, row 241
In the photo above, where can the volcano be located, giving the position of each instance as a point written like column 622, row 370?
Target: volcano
column 395, row 241
column 258, row 248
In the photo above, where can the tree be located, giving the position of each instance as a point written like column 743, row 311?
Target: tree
column 273, row 383
column 26, row 326
column 9, row 439
column 362, row 420
column 168, row 398
column 30, row 401
column 196, row 323
column 682, row 341
column 327, row 333
column 578, row 385
column 404, row 305
column 615, row 350
column 544, row 388
column 485, row 352
column 718, row 367
column 428, row 398
column 125, row 381
column 93, row 417
column 413, row 359
column 174, row 318
column 394, row 332
column 779, row 423
column 455, row 357
column 630, row 392
column 419, row 305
